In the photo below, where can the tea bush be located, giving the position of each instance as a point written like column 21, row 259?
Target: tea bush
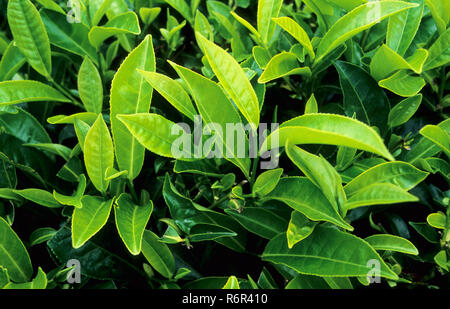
column 119, row 169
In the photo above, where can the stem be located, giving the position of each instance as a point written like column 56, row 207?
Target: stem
column 65, row 92
column 254, row 169
column 446, row 229
column 298, row 91
column 132, row 190
column 120, row 187
column 101, row 72
column 199, row 195
column 429, row 104
column 442, row 86
column 364, row 39
column 222, row 199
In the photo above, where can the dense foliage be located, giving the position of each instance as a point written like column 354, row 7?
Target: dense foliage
column 94, row 94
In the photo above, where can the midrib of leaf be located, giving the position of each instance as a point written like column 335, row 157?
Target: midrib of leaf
column 155, row 135
column 88, row 226
column 420, row 154
column 230, row 88
column 133, row 139
column 101, row 159
column 73, row 41
column 133, row 232
column 115, row 28
column 161, row 259
column 215, row 234
column 403, row 31
column 103, row 249
column 307, row 206
column 382, row 180
column 7, row 174
column 12, row 69
column 238, row 160
column 333, row 134
column 357, row 95
column 232, row 238
column 386, row 179
column 3, row 249
column 70, row 171
column 30, row 32
column 205, row 111
column 313, row 257
column 260, row 224
column 370, row 202
column 268, row 26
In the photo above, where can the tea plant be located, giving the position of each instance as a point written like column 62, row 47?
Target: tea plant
column 224, row 144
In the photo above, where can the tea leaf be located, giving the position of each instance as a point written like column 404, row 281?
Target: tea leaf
column 172, row 91
column 437, row 220
column 232, row 284
column 158, row 135
column 299, row 228
column 392, row 243
column 38, row 283
column 379, row 194
column 30, row 35
column 321, row 174
column 39, row 196
column 72, row 37
column 267, row 10
column 89, row 219
column 328, row 129
column 259, row 221
column 90, row 87
column 158, row 254
column 19, row 91
column 404, row 110
column 297, row 32
column 356, row 21
column 362, row 97
column 402, row 28
column 98, row 154
column 400, row 174
column 281, row 65
column 126, row 23
column 403, row 84
column 302, row 195
column 329, row 248
column 267, row 181
column 13, row 255
column 131, row 220
column 131, row 94
column 439, row 52
column 11, row 62
column 233, row 80
column 438, row 136
column 214, row 107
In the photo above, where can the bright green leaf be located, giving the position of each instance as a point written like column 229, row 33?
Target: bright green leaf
column 392, row 243
column 98, row 153
column 19, row 91
column 131, row 94
column 13, row 255
column 90, row 87
column 89, row 219
column 131, row 221
column 30, row 35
